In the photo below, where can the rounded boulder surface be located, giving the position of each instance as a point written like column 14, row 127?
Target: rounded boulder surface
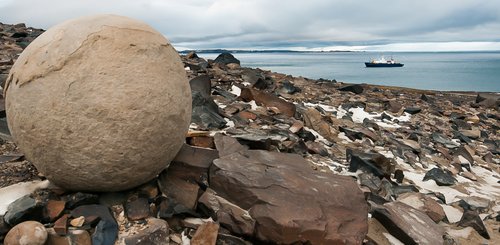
column 28, row 232
column 99, row 103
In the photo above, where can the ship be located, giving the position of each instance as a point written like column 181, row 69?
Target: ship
column 382, row 62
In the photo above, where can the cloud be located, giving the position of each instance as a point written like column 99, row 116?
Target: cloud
column 292, row 23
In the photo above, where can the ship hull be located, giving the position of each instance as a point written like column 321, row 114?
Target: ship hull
column 369, row 64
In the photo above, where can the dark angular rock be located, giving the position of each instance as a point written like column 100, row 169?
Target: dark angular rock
column 90, row 212
column 205, row 112
column 23, row 209
column 288, row 87
column 370, row 181
column 353, row 104
column 306, row 135
column 105, row 233
column 4, row 228
column 384, row 116
column 401, row 189
column 461, row 124
column 475, row 203
column 399, row 175
column 192, row 55
column 472, row 219
column 461, row 137
column 351, row 134
column 355, row 88
column 408, row 224
column 462, row 151
column 169, row 208
column 201, row 84
column 442, row 177
column 254, row 78
column 196, row 156
column 275, row 188
column 10, row 157
column 367, row 123
column 424, row 97
column 226, row 58
column 375, row 163
column 439, row 138
column 79, row 198
column 412, row 110
column 137, row 209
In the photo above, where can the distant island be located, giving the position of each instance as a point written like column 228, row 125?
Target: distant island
column 218, row 51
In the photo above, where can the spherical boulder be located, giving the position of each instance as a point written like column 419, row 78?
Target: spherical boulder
column 27, row 232
column 99, row 103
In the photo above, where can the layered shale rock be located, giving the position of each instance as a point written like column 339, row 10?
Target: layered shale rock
column 289, row 201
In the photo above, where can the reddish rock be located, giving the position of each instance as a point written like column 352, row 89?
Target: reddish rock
column 316, row 148
column 227, row 145
column 137, row 209
column 296, row 127
column 393, row 106
column 289, row 201
column 54, row 209
column 425, row 204
column 196, row 156
column 180, row 185
column 206, row 234
column 314, row 120
column 230, row 216
column 202, row 141
column 247, row 115
column 268, row 100
column 61, row 225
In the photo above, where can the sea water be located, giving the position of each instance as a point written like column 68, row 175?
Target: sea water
column 449, row 71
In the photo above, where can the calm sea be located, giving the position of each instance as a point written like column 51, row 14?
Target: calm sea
column 451, row 71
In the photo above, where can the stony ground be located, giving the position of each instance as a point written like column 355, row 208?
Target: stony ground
column 281, row 159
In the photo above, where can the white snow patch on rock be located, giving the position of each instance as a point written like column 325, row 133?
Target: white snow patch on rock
column 13, row 192
column 235, row 90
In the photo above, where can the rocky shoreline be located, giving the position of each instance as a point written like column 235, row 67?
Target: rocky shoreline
column 272, row 158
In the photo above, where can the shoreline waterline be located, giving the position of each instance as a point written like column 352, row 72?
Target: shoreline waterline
column 436, row 71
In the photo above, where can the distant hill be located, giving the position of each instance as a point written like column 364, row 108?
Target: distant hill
column 218, row 51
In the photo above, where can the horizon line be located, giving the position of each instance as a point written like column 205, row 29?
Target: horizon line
column 390, row 47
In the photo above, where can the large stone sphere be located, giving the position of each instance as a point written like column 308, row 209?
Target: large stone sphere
column 99, row 103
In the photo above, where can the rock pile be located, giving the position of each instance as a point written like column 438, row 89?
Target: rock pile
column 281, row 159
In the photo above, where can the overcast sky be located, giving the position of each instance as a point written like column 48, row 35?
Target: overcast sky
column 293, row 24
